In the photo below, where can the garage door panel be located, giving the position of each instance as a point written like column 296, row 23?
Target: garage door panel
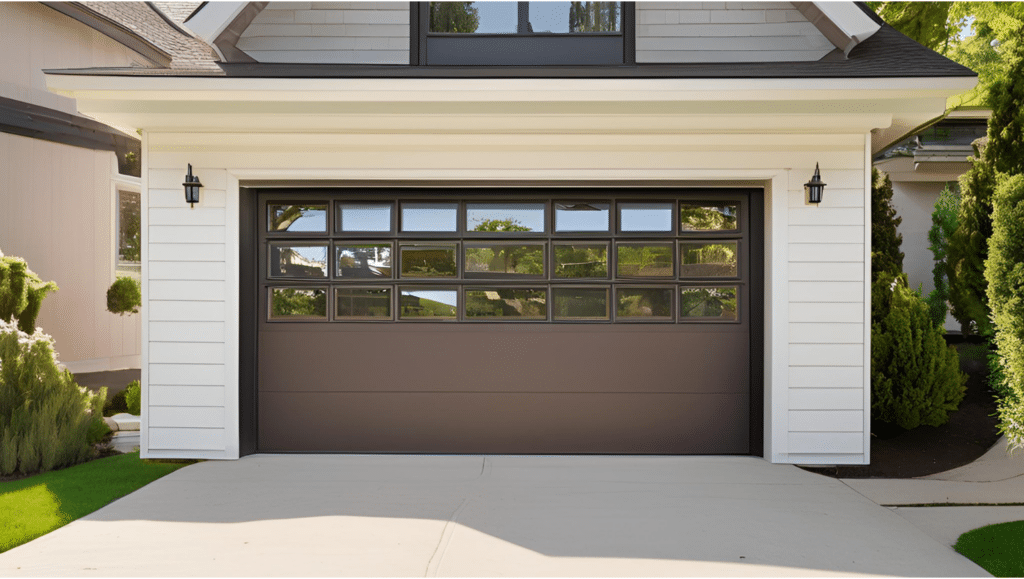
column 502, row 423
column 464, row 359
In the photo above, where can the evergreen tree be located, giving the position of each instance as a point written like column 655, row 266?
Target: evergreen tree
column 885, row 241
column 968, row 247
column 943, row 225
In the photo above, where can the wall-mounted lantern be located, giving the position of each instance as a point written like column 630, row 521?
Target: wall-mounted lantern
column 814, row 187
column 192, row 186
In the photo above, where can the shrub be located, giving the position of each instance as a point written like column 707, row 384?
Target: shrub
column 45, row 418
column 115, row 405
column 968, row 248
column 133, row 397
column 124, row 296
column 915, row 375
column 98, row 430
column 21, row 293
column 1005, row 274
column 944, row 222
column 885, row 241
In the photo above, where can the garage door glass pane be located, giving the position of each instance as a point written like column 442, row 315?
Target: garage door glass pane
column 582, row 217
column 356, row 261
column 298, row 303
column 581, row 261
column 644, row 303
column 428, row 304
column 707, row 259
column 312, row 218
column 364, row 217
column 362, row 304
column 504, row 304
column 505, row 217
column 580, row 303
column 429, row 261
column 298, row 260
column 702, row 216
column 708, row 303
column 639, row 217
column 430, row 217
column 504, row 260
column 651, row 260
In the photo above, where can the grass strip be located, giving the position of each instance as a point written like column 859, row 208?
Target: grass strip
column 33, row 506
column 998, row 549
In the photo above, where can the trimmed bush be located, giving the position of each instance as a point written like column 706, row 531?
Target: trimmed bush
column 968, row 248
column 124, row 296
column 115, row 405
column 915, row 375
column 944, row 222
column 45, row 417
column 133, row 398
column 1005, row 274
column 885, row 241
column 21, row 293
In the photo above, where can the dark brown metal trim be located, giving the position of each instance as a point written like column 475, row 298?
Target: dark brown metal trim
column 108, row 27
column 755, row 307
column 247, row 321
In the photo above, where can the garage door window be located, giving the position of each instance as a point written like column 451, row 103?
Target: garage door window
column 677, row 259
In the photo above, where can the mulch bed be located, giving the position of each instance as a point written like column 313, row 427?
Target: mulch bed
column 970, row 432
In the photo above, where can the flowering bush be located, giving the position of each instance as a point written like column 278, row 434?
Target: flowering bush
column 45, row 417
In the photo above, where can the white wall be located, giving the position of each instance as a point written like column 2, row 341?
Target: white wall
column 329, row 32
column 725, row 32
column 58, row 201
column 816, row 397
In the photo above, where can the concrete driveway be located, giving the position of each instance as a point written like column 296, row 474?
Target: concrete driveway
column 346, row 515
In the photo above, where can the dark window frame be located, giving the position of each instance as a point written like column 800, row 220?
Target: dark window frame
column 520, row 49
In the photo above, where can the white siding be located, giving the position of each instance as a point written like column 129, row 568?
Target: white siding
column 817, row 403
column 330, row 33
column 725, row 32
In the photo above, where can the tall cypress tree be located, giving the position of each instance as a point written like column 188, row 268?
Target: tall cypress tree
column 885, row 241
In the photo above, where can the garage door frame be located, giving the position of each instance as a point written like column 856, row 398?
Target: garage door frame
column 248, row 284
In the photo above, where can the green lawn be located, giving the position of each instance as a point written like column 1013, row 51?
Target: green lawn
column 998, row 549
column 34, row 506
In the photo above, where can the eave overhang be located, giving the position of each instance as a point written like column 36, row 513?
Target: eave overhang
column 887, row 107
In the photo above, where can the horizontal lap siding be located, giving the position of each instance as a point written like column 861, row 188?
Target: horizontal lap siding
column 725, row 32
column 190, row 294
column 187, row 291
column 330, row 33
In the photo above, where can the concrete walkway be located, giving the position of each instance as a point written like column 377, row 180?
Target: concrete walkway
column 357, row 515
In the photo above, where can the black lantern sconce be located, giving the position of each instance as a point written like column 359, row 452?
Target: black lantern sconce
column 192, row 186
column 814, row 187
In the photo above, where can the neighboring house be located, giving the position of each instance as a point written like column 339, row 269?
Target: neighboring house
column 71, row 194
column 575, row 230
column 920, row 167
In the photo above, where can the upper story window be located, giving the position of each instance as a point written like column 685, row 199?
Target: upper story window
column 525, row 33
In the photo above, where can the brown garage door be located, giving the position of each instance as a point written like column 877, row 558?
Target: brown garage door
column 501, row 321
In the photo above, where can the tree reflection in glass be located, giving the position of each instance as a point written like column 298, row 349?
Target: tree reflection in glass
column 298, row 304
column 298, row 218
column 650, row 303
column 571, row 303
column 363, row 260
column 708, row 302
column 701, row 216
column 581, row 261
column 523, row 304
column 526, row 260
column 707, row 259
column 429, row 260
column 415, row 303
column 644, row 260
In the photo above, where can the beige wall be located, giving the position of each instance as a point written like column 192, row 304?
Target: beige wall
column 58, row 211
column 58, row 201
column 816, row 404
column 725, row 32
column 330, row 32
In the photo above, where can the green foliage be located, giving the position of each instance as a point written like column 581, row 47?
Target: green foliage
column 885, row 241
column 1005, row 275
column 130, row 226
column 944, row 222
column 928, row 23
column 34, row 506
column 998, row 549
column 581, row 261
column 290, row 302
column 915, row 375
column 593, row 17
column 45, row 418
column 968, row 247
column 1005, row 149
column 698, row 218
column 453, row 17
column 133, row 397
column 21, row 293
column 98, row 430
column 115, row 405
column 124, row 296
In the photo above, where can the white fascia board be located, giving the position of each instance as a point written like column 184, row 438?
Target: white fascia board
column 135, row 88
column 213, row 18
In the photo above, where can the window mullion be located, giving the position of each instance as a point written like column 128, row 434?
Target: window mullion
column 523, row 26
